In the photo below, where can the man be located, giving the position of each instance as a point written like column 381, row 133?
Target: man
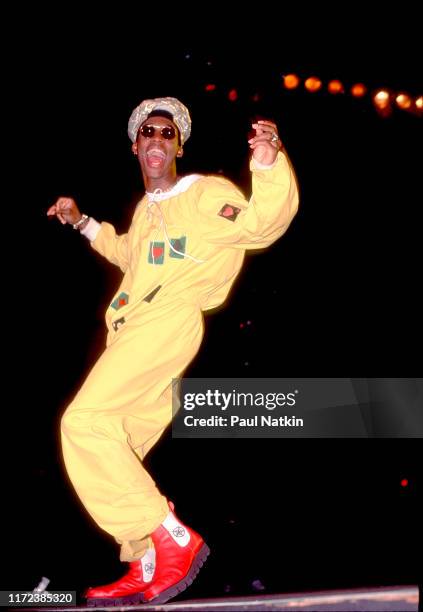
column 181, row 255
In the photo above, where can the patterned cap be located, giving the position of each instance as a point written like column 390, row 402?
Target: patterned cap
column 179, row 112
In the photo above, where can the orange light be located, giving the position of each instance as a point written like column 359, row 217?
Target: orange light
column 233, row 95
column 335, row 87
column 313, row 84
column 210, row 87
column 381, row 99
column 382, row 102
column 358, row 90
column 415, row 105
column 418, row 106
column 291, row 81
column 403, row 101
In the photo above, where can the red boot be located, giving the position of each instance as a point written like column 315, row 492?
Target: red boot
column 129, row 589
column 180, row 553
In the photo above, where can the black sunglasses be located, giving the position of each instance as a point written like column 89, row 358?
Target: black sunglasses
column 168, row 132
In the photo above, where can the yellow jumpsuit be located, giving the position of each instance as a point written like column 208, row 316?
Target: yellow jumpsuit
column 180, row 257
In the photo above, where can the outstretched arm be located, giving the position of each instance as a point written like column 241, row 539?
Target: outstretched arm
column 227, row 219
column 103, row 237
column 66, row 210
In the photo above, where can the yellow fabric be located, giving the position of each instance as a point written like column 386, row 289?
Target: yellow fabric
column 126, row 401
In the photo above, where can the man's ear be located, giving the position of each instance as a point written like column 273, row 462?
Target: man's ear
column 134, row 148
column 180, row 152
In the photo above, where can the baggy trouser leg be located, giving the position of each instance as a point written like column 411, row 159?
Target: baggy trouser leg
column 119, row 414
column 110, row 479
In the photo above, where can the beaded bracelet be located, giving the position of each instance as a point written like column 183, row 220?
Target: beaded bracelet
column 78, row 224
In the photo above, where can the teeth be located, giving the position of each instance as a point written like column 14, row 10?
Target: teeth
column 156, row 152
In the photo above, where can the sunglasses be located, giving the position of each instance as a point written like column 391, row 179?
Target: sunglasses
column 168, row 132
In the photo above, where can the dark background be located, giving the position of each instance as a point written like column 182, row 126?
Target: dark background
column 338, row 295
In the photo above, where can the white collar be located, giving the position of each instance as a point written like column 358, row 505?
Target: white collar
column 182, row 185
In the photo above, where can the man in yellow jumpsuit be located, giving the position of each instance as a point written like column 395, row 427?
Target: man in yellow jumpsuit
column 180, row 256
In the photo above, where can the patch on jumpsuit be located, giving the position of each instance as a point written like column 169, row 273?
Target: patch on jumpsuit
column 156, row 252
column 179, row 244
column 121, row 300
column 118, row 323
column 229, row 212
column 150, row 296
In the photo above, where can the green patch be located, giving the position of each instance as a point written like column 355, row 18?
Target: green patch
column 179, row 244
column 121, row 300
column 156, row 252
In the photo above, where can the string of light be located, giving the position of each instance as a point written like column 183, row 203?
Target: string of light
column 384, row 100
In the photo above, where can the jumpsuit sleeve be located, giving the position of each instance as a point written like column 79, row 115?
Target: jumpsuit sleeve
column 227, row 218
column 111, row 246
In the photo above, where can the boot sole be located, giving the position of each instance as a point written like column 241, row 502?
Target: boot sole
column 183, row 584
column 105, row 602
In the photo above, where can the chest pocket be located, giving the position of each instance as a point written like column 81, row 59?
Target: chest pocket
column 171, row 245
column 178, row 246
column 176, row 242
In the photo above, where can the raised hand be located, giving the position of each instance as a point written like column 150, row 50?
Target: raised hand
column 266, row 142
column 65, row 210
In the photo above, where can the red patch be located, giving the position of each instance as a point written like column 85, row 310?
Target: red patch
column 229, row 212
column 157, row 252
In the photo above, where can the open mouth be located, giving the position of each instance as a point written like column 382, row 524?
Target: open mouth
column 155, row 157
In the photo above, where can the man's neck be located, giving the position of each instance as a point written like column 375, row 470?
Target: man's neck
column 164, row 184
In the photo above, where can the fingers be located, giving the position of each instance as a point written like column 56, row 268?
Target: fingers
column 62, row 209
column 265, row 126
column 266, row 133
column 267, row 138
column 64, row 204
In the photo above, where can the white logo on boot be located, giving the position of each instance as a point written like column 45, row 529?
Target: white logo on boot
column 148, row 564
column 177, row 531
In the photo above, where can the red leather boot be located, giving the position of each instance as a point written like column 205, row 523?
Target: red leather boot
column 180, row 553
column 129, row 589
